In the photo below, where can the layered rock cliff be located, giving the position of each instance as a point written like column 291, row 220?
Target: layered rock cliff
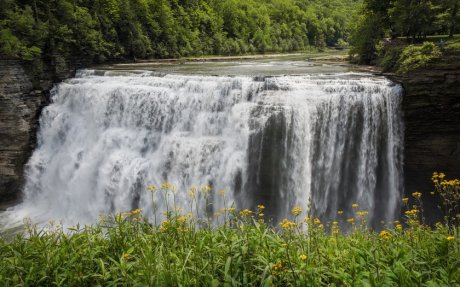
column 431, row 106
column 20, row 105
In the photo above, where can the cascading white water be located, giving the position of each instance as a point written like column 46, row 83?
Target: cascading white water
column 279, row 141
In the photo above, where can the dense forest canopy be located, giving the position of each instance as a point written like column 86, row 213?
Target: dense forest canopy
column 98, row 30
column 412, row 19
column 94, row 31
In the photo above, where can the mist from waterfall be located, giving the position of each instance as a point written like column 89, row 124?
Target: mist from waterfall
column 284, row 141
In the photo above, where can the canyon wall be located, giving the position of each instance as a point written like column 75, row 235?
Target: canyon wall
column 20, row 105
column 431, row 106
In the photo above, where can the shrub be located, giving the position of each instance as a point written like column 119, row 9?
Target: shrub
column 414, row 57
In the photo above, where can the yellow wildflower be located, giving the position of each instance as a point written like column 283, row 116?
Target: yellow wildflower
column 182, row 219
column 354, row 205
column 398, row 227
column 417, row 194
column 385, row 234
column 303, row 257
column 351, row 220
column 316, row 221
column 164, row 226
column 261, row 214
column 206, row 188
column 405, row 200
column 296, row 211
column 411, row 212
column 279, row 266
column 340, row 212
column 450, row 238
column 151, row 188
column 260, row 207
column 361, row 213
column 245, row 212
column 136, row 211
column 286, row 224
column 165, row 185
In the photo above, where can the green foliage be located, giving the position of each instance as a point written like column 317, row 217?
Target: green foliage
column 240, row 249
column 95, row 31
column 365, row 38
column 413, row 19
column 415, row 57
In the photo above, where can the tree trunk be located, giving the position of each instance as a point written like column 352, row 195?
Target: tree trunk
column 453, row 15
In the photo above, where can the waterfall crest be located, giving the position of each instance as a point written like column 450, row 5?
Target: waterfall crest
column 279, row 141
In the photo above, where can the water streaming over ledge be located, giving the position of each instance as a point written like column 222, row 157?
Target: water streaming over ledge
column 280, row 141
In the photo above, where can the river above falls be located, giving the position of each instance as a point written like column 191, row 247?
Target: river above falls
column 258, row 65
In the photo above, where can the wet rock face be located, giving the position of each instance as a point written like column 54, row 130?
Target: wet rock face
column 431, row 106
column 20, row 105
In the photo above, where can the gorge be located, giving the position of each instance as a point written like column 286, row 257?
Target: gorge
column 248, row 138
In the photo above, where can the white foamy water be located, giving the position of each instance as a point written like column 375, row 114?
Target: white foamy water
column 279, row 141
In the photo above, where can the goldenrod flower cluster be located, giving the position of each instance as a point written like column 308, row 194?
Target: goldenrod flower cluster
column 166, row 185
column 246, row 212
column 164, row 226
column 437, row 176
column 206, row 188
column 417, row 194
column 279, row 266
column 136, row 211
column 335, row 227
column 411, row 212
column 287, row 224
column 451, row 183
column 296, row 211
column 384, row 234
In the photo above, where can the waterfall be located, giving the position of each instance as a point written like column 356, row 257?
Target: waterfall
column 325, row 141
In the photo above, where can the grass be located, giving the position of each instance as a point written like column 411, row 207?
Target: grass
column 125, row 249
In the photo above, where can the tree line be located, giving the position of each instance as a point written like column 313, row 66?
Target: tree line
column 99, row 30
column 410, row 19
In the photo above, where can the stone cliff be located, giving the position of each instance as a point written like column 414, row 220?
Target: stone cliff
column 20, row 105
column 431, row 106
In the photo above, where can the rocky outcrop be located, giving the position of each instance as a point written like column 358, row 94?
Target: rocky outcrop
column 20, row 105
column 431, row 106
